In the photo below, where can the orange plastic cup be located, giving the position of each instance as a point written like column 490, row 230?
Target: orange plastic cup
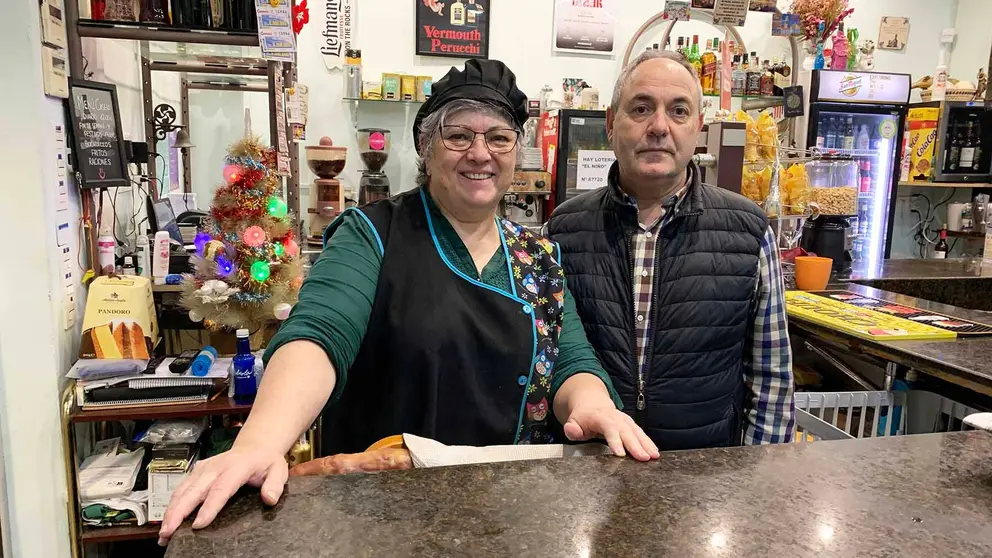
column 813, row 273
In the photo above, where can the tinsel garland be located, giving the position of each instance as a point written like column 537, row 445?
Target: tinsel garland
column 250, row 298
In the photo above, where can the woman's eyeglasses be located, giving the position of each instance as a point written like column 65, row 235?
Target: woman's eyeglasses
column 460, row 138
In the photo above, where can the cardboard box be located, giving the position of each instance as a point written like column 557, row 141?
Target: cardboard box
column 408, row 87
column 391, row 85
column 120, row 319
column 922, row 124
column 160, row 488
column 425, row 87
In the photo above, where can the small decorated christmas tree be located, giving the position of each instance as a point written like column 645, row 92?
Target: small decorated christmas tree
column 248, row 271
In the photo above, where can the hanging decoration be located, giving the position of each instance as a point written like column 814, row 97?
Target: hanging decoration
column 254, row 236
column 292, row 248
column 277, row 207
column 200, row 241
column 278, row 249
column 260, row 271
column 232, row 173
column 281, row 311
column 301, row 16
column 224, row 266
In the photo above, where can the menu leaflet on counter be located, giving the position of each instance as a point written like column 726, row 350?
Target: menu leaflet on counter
column 96, row 132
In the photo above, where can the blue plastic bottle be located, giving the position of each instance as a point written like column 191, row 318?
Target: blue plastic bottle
column 244, row 370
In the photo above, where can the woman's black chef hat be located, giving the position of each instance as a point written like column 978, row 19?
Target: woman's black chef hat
column 488, row 81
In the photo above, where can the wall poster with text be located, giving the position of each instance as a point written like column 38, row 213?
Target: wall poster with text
column 458, row 29
column 586, row 26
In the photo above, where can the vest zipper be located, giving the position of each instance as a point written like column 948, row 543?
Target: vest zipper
column 639, row 372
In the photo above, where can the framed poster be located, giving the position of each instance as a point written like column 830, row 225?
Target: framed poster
column 95, row 121
column 586, row 26
column 893, row 33
column 458, row 29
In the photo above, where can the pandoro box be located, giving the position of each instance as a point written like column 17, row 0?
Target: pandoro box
column 120, row 319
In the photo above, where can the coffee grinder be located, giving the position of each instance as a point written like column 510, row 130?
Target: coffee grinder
column 327, row 196
column 373, row 146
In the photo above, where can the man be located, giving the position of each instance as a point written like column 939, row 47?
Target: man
column 678, row 282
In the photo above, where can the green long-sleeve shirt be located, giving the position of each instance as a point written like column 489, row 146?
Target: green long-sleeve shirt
column 336, row 300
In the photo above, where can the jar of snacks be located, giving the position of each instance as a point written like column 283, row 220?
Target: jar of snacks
column 834, row 182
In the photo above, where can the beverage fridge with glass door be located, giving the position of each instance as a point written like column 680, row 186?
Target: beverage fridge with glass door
column 568, row 137
column 861, row 115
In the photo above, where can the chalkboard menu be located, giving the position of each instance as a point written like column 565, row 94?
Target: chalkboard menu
column 96, row 130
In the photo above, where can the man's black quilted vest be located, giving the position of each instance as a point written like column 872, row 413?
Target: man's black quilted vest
column 706, row 274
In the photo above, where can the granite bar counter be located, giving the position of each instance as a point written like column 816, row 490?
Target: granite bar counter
column 965, row 283
column 927, row 495
column 966, row 361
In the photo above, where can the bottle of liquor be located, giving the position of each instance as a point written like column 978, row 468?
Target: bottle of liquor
column 709, row 77
column 849, row 139
column 976, row 143
column 681, row 47
column 831, row 134
column 694, row 57
column 863, row 141
column 738, row 78
column 718, row 72
column 753, row 87
column 954, row 149
column 668, row 42
column 767, row 86
column 874, row 139
column 457, row 13
column 941, row 249
column 821, row 133
column 967, row 148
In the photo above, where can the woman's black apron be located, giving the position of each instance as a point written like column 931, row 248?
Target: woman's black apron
column 446, row 356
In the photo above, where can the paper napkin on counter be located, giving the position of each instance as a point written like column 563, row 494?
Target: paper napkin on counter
column 430, row 453
column 982, row 421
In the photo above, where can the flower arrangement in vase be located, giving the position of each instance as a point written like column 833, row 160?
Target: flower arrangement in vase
column 819, row 19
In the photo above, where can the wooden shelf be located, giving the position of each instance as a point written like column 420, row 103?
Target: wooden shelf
column 220, row 406
column 965, row 234
column 95, row 535
column 137, row 31
column 167, row 288
column 947, row 184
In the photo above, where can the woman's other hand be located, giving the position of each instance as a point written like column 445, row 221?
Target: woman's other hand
column 213, row 482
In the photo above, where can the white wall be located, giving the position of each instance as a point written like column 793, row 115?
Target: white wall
column 974, row 40
column 34, row 348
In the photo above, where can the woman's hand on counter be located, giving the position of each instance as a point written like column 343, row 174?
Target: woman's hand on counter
column 213, row 482
column 588, row 412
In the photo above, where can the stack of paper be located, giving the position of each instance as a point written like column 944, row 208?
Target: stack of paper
column 109, row 475
column 162, row 387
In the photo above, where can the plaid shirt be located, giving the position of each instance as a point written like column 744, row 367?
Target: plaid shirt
column 768, row 364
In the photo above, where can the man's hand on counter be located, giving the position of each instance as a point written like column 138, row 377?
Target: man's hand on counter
column 213, row 482
column 589, row 412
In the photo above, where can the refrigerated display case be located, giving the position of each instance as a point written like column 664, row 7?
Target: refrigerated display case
column 961, row 147
column 861, row 114
column 564, row 133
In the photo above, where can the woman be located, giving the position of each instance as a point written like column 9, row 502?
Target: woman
column 427, row 314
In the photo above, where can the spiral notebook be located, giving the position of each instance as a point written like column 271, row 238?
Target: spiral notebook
column 145, row 402
column 162, row 387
